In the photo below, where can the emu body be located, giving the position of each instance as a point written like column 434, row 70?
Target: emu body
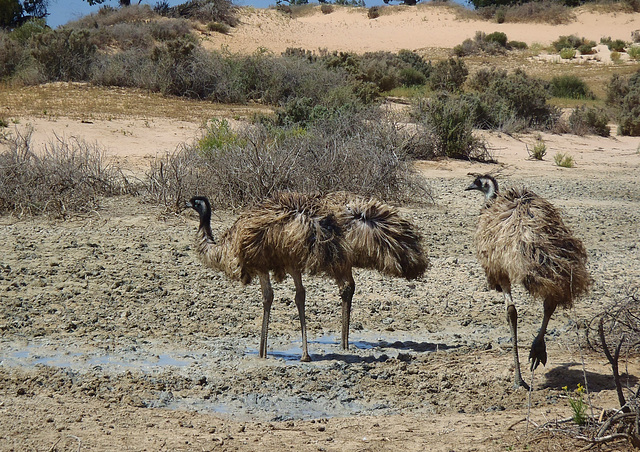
column 294, row 233
column 521, row 239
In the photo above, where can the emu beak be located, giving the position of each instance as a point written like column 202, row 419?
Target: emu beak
column 473, row 186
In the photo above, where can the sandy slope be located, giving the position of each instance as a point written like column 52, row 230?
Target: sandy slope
column 416, row 28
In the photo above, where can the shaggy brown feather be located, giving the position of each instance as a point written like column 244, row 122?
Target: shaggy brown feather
column 521, row 238
column 289, row 231
column 378, row 237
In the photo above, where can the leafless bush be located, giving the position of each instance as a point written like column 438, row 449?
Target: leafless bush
column 67, row 176
column 361, row 154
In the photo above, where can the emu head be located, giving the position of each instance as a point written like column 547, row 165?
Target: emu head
column 487, row 185
column 201, row 205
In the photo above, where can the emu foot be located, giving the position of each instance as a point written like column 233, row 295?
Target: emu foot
column 538, row 353
column 520, row 383
column 305, row 358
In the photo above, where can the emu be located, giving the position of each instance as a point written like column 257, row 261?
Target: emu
column 293, row 233
column 378, row 238
column 521, row 239
column 290, row 233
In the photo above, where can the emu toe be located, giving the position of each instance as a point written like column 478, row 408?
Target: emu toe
column 538, row 353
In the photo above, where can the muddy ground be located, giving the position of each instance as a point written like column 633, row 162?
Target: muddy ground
column 114, row 337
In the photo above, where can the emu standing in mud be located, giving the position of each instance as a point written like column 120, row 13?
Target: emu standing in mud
column 296, row 233
column 521, row 239
column 378, row 238
column 289, row 233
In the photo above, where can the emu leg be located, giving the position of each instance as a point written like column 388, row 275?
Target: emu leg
column 300, row 300
column 538, row 353
column 512, row 319
column 347, row 287
column 267, row 300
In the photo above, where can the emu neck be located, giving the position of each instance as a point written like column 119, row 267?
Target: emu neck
column 490, row 192
column 205, row 227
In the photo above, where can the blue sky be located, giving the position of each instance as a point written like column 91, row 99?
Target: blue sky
column 63, row 11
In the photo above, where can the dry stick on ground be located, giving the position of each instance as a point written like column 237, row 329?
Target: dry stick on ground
column 613, row 360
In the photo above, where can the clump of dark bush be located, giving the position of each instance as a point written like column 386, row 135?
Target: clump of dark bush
column 492, row 43
column 362, row 153
column 66, row 177
column 623, row 94
column 570, row 87
column 447, row 130
column 12, row 55
column 572, row 42
column 448, row 75
column 64, row 54
column 585, row 120
column 615, row 45
column 385, row 70
column 509, row 102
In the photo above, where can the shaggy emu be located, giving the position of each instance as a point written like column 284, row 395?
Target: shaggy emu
column 521, row 239
column 289, row 233
column 295, row 233
column 378, row 238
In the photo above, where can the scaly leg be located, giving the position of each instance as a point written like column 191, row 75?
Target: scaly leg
column 512, row 319
column 538, row 353
column 300, row 300
column 347, row 287
column 267, row 300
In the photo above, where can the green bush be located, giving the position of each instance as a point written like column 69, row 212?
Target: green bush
column 634, row 52
column 563, row 160
column 12, row 55
column 539, row 150
column 616, row 45
column 567, row 53
column 412, row 77
column 511, row 101
column 448, row 75
column 571, row 87
column 571, row 42
column 585, row 120
column 64, row 54
column 449, row 126
column 27, row 30
column 218, row 27
column 498, row 37
column 629, row 121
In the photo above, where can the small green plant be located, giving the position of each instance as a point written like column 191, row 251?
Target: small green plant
column 218, row 136
column 373, row 12
column 563, row 160
column 539, row 150
column 634, row 52
column 326, row 8
column 615, row 56
column 218, row 27
column 578, row 404
column 567, row 53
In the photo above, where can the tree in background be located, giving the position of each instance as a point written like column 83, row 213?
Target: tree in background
column 15, row 12
column 122, row 2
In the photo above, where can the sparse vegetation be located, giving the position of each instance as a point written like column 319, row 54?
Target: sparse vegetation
column 563, row 160
column 66, row 177
column 539, row 149
column 360, row 153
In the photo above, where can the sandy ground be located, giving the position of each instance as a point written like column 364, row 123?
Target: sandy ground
column 114, row 337
column 413, row 28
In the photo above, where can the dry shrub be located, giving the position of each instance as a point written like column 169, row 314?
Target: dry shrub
column 68, row 176
column 359, row 153
column 108, row 16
